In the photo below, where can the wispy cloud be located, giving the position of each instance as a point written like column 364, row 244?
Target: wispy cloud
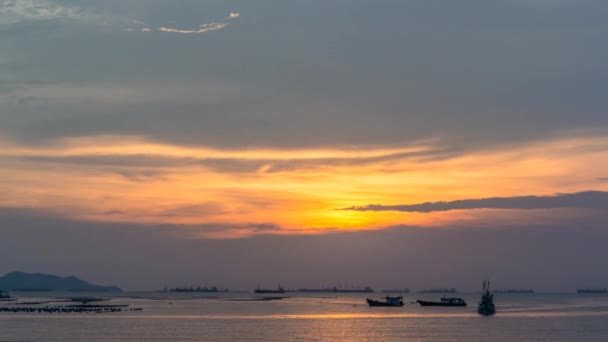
column 585, row 199
column 18, row 11
column 201, row 29
column 113, row 93
column 113, row 212
column 296, row 189
column 224, row 163
column 198, row 209
column 14, row 11
column 204, row 28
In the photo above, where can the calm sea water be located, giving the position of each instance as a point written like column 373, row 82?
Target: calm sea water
column 521, row 317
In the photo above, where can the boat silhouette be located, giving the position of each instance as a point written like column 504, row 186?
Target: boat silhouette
column 486, row 305
column 388, row 301
column 278, row 290
column 6, row 297
column 198, row 289
column 445, row 301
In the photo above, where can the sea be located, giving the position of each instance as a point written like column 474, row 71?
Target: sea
column 313, row 317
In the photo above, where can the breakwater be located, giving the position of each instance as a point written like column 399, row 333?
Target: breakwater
column 70, row 309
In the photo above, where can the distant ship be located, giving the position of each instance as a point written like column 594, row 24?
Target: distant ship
column 334, row 289
column 366, row 289
column 592, row 290
column 404, row 290
column 439, row 290
column 278, row 290
column 445, row 301
column 319, row 290
column 486, row 304
column 388, row 301
column 515, row 291
column 204, row 289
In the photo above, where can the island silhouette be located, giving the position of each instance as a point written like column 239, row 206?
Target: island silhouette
column 21, row 281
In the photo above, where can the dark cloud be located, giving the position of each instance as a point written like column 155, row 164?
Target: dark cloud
column 369, row 74
column 586, row 199
column 114, row 212
column 141, row 167
column 226, row 231
column 137, row 174
column 197, row 210
column 135, row 161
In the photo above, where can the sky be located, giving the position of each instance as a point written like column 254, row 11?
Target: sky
column 311, row 143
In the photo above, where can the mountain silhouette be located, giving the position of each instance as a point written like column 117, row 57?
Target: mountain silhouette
column 20, row 281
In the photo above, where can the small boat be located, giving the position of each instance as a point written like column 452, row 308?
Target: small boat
column 486, row 305
column 278, row 290
column 6, row 297
column 388, row 301
column 445, row 301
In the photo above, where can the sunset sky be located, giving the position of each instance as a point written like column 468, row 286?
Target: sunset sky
column 302, row 123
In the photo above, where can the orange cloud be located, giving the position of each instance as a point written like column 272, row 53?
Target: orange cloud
column 130, row 179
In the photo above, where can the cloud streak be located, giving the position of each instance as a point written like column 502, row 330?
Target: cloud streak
column 227, row 163
column 201, row 29
column 299, row 189
column 585, row 199
column 17, row 11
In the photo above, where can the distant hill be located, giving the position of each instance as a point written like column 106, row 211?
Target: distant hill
column 20, row 281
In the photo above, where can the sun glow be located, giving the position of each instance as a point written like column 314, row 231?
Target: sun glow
column 129, row 179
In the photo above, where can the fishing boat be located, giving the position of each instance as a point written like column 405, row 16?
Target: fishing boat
column 278, row 290
column 445, row 301
column 388, row 301
column 5, row 296
column 486, row 305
